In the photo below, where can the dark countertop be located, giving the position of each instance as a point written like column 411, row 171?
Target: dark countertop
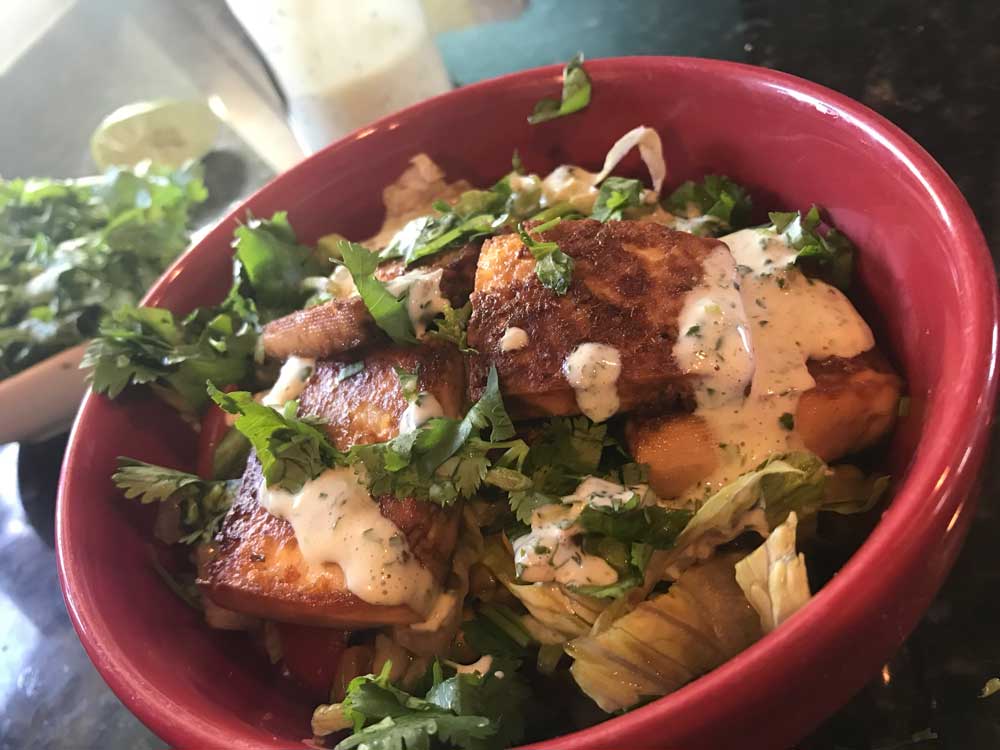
column 933, row 68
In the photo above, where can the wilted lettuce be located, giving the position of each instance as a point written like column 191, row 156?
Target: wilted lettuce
column 774, row 578
column 668, row 640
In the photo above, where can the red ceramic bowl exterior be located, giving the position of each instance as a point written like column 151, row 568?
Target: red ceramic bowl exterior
column 927, row 283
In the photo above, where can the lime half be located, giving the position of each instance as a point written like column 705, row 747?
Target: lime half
column 167, row 131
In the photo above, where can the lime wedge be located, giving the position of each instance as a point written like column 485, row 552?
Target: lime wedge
column 167, row 131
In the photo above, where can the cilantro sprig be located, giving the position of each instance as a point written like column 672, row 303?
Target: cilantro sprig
column 615, row 196
column 469, row 711
column 552, row 266
column 831, row 251
column 203, row 504
column 721, row 204
column 138, row 345
column 576, row 93
column 291, row 450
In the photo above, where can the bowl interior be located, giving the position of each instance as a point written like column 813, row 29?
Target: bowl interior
column 921, row 281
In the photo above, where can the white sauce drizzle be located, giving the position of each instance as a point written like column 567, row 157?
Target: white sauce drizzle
column 552, row 552
column 336, row 521
column 792, row 319
column 424, row 300
column 423, row 409
column 481, row 666
column 592, row 370
column 292, row 379
column 513, row 338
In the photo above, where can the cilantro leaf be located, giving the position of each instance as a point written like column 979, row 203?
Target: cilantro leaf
column 291, row 451
column 830, row 252
column 463, row 711
column 651, row 525
column 409, row 383
column 453, row 327
column 575, row 94
column 390, row 314
column 443, row 459
column 275, row 264
column 616, row 194
column 723, row 204
column 552, row 267
column 147, row 345
column 202, row 504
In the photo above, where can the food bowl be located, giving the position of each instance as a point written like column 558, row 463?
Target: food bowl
column 925, row 279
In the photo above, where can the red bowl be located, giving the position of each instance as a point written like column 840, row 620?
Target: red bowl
column 927, row 283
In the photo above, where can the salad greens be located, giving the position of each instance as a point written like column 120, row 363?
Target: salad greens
column 615, row 195
column 141, row 345
column 390, row 313
column 719, row 205
column 148, row 345
column 575, row 94
column 552, row 266
column 830, row 251
column 473, row 711
column 291, row 450
column 71, row 251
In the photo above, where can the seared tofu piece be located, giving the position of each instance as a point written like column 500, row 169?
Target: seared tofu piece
column 627, row 290
column 365, row 408
column 255, row 565
column 852, row 406
column 344, row 325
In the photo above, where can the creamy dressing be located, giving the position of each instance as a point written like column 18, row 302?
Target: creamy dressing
column 552, row 550
column 481, row 666
column 592, row 370
column 292, row 379
column 424, row 408
column 713, row 336
column 792, row 319
column 424, row 299
column 336, row 521
column 513, row 338
column 340, row 284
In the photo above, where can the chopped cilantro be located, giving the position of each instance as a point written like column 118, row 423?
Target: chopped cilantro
column 616, row 195
column 390, row 314
column 552, row 267
column 575, row 94
column 787, row 421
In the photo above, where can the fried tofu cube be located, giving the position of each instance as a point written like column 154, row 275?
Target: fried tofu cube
column 852, row 406
column 627, row 290
column 255, row 565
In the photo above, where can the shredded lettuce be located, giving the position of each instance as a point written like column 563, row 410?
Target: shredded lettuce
column 773, row 578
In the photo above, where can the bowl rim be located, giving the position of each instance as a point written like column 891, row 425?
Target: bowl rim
column 938, row 481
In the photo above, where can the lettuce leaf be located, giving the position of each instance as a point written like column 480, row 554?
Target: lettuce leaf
column 760, row 499
column 666, row 641
column 773, row 578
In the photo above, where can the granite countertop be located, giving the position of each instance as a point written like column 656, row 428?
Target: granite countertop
column 933, row 68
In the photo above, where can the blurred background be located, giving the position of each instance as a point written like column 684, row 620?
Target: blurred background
column 933, row 68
